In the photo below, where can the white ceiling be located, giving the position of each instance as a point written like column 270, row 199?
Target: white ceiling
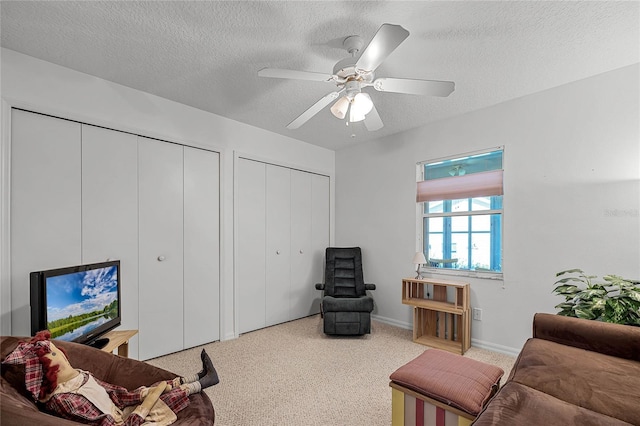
column 207, row 53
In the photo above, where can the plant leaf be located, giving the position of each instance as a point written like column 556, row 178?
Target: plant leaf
column 590, row 293
column 565, row 306
column 569, row 279
column 633, row 294
column 570, row 271
column 566, row 289
column 585, row 313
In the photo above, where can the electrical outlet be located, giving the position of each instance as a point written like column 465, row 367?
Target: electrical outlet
column 477, row 314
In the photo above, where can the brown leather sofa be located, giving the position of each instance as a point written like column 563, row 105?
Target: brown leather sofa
column 17, row 406
column 571, row 372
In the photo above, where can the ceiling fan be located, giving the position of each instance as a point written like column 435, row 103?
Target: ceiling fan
column 352, row 74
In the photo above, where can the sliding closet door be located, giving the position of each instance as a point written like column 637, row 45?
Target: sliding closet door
column 110, row 211
column 160, row 222
column 45, row 203
column 301, row 247
column 250, row 244
column 201, row 247
column 320, row 226
column 309, row 239
column 278, row 252
column 282, row 231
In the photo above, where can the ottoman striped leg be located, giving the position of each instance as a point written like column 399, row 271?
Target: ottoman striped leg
column 409, row 410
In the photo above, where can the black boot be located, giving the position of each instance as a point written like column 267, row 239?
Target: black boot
column 210, row 377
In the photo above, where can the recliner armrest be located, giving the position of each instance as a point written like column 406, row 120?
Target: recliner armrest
column 319, row 286
column 369, row 286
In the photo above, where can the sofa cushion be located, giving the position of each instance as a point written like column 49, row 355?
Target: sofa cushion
column 601, row 383
column 460, row 382
column 516, row 404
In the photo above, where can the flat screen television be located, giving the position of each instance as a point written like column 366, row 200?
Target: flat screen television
column 77, row 303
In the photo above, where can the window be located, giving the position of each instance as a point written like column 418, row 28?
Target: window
column 460, row 205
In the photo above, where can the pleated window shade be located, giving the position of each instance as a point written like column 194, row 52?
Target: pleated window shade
column 483, row 184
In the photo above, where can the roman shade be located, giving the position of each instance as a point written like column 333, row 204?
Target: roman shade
column 483, row 184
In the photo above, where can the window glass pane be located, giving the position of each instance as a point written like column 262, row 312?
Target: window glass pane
column 460, row 205
column 459, row 223
column 464, row 165
column 481, row 203
column 481, row 223
column 481, row 251
column 434, row 207
column 460, row 250
column 435, row 247
column 435, row 224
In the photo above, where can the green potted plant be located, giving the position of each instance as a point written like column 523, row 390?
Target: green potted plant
column 615, row 300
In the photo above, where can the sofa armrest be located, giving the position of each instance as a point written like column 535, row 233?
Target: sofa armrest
column 369, row 286
column 622, row 341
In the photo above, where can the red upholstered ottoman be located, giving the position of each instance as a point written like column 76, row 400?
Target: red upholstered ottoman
column 442, row 389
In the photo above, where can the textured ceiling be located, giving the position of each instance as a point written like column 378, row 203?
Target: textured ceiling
column 207, row 53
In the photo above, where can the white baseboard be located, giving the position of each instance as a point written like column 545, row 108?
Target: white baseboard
column 229, row 336
column 474, row 342
column 494, row 347
column 391, row 321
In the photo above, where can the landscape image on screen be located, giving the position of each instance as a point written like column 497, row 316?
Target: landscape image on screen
column 81, row 301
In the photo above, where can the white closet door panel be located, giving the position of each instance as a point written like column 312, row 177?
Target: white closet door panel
column 110, row 211
column 320, row 232
column 251, row 243
column 160, row 200
column 201, row 247
column 278, row 273
column 302, row 289
column 45, row 203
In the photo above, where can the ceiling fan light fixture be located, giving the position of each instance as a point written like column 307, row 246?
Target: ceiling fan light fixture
column 351, row 74
column 354, row 115
column 361, row 104
column 339, row 109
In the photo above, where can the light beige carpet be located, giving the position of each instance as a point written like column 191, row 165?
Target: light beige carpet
column 293, row 374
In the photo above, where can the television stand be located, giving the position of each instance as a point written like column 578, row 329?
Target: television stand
column 99, row 343
column 119, row 339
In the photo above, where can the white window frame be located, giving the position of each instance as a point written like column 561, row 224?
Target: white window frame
column 420, row 215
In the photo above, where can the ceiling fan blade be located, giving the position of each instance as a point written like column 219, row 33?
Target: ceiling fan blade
column 372, row 121
column 414, row 87
column 313, row 110
column 293, row 74
column 386, row 40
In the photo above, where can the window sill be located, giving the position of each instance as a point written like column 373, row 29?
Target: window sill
column 465, row 273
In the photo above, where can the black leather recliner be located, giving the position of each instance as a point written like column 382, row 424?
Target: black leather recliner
column 345, row 307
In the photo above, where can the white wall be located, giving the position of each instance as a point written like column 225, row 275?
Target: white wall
column 44, row 87
column 572, row 182
column 571, row 198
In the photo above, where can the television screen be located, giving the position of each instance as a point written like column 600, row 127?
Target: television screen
column 77, row 303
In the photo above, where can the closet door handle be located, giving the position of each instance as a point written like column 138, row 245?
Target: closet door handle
column 301, row 251
column 161, row 258
column 277, row 251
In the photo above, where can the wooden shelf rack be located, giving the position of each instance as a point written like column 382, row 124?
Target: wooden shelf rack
column 441, row 313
